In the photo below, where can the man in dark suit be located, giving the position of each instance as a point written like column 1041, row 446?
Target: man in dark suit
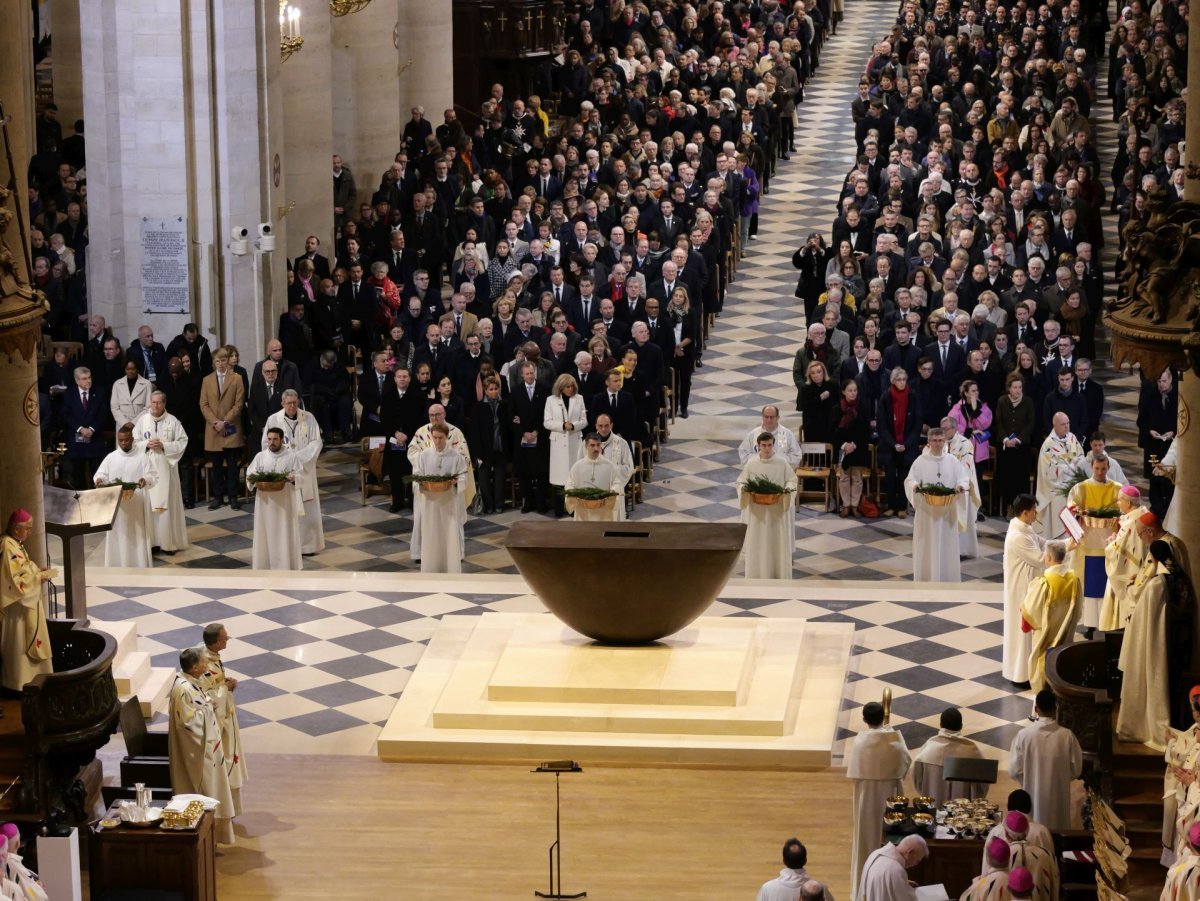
column 93, row 347
column 547, row 184
column 289, row 372
column 590, row 382
column 564, row 294
column 423, row 233
column 489, row 436
column 320, row 263
column 631, row 306
column 531, row 441
column 432, row 351
column 84, row 413
column 619, row 405
column 1091, row 391
column 356, row 310
column 583, row 306
column 401, row 261
column 520, row 334
column 902, row 352
column 1022, row 329
column 949, row 359
column 266, row 397
column 617, row 331
column 296, row 335
column 559, row 325
column 370, row 393
column 148, row 355
column 662, row 332
column 667, row 224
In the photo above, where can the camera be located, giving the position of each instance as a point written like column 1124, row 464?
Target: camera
column 266, row 237
column 238, row 244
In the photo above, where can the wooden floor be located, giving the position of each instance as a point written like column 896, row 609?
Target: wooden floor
column 354, row 827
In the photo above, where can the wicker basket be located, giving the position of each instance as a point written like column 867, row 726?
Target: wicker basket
column 594, row 503
column 766, row 500
column 437, row 487
column 939, row 500
column 1108, row 523
column 269, row 485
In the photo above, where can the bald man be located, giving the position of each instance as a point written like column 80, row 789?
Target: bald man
column 1058, row 462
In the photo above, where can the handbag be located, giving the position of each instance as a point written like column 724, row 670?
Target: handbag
column 868, row 508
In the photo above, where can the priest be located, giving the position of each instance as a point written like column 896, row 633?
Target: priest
column 787, row 445
column 1181, row 783
column 992, row 884
column 163, row 439
column 929, row 763
column 885, row 874
column 1156, row 651
column 771, row 528
column 219, row 686
column 1183, row 879
column 1024, row 561
column 1086, row 500
column 422, row 440
column 276, row 513
column 128, row 542
column 878, row 762
column 936, row 527
column 443, row 511
column 1050, row 610
column 1044, row 759
column 1057, row 470
column 961, row 449
column 195, row 744
column 615, row 450
column 302, row 436
column 1123, row 556
column 593, row 471
column 25, row 638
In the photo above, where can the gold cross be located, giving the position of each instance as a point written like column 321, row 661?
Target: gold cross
column 541, row 16
column 528, row 21
column 503, row 18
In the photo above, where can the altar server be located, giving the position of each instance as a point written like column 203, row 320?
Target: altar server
column 929, row 762
column 443, row 512
column 220, row 687
column 593, row 471
column 959, row 446
column 25, row 637
column 771, row 528
column 128, row 542
column 878, row 762
column 1123, row 556
column 1024, row 556
column 1096, row 493
column 1050, row 610
column 936, row 528
column 276, row 513
column 1044, row 758
column 302, row 435
column 1058, row 462
column 885, row 874
column 423, row 440
column 195, row 744
column 163, row 439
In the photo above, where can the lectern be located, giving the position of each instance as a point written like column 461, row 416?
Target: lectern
column 72, row 516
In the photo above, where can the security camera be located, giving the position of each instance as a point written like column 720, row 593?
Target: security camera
column 239, row 245
column 266, row 237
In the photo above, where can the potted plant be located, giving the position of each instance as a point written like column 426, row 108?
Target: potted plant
column 1100, row 518
column 592, row 498
column 764, row 491
column 936, row 494
column 267, row 481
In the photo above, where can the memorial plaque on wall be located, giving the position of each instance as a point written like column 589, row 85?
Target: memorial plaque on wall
column 165, row 265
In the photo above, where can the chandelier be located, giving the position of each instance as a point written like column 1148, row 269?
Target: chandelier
column 346, row 7
column 289, row 30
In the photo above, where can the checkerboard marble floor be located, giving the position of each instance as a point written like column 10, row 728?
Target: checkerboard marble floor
column 325, row 654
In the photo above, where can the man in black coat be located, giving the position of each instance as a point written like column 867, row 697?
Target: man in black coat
column 1065, row 399
column 489, row 436
column 356, row 310
column 84, row 413
column 619, row 405
column 531, row 441
column 183, row 401
column 148, row 355
column 266, row 397
column 192, row 343
column 296, row 335
column 289, row 372
column 423, row 233
column 330, row 398
column 661, row 330
column 371, row 386
column 320, row 263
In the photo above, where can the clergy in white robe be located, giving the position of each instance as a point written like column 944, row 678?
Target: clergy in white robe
column 1115, row 472
column 1183, row 879
column 961, row 448
column 17, row 881
column 1123, row 556
column 1050, row 610
column 1168, row 464
column 220, row 687
column 276, row 513
column 770, row 528
column 929, row 763
column 195, row 744
column 302, row 435
column 885, row 873
column 422, row 440
column 128, row 542
column 878, row 762
column 615, row 450
column 1024, row 556
column 1098, row 492
column 1044, row 758
column 1057, row 468
column 593, row 471
column 1181, row 783
column 789, row 885
column 25, row 637
column 444, row 512
column 164, row 440
column 936, row 527
column 787, row 445
column 992, row 884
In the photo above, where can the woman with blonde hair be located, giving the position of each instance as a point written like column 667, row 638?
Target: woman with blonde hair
column 818, row 399
column 686, row 324
column 602, row 358
column 565, row 419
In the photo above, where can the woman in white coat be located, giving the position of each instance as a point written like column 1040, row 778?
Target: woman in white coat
column 130, row 396
column 565, row 419
column 1024, row 553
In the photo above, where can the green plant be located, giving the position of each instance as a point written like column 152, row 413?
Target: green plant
column 1076, row 477
column 267, row 477
column 589, row 494
column 935, row 489
column 1102, row 512
column 429, row 478
column 760, row 485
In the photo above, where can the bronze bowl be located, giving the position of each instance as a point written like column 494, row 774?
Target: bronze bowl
column 626, row 583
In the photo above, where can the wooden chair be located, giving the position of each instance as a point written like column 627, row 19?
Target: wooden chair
column 146, row 759
column 368, row 488
column 816, row 464
column 989, row 497
column 636, row 488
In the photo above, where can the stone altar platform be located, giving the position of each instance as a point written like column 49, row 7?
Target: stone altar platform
column 726, row 691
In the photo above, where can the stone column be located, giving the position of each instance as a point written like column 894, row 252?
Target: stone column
column 20, row 310
column 67, row 62
column 426, row 38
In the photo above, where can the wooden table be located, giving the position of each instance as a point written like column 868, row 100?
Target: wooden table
column 127, row 858
column 954, row 862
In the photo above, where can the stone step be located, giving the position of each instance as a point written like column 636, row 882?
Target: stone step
column 152, row 693
column 123, row 632
column 130, row 672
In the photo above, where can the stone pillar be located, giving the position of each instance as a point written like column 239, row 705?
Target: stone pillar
column 20, row 310
column 366, row 129
column 308, row 131
column 426, row 38
column 67, row 62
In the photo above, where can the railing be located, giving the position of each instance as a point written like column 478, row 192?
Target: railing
column 1080, row 674
column 67, row 714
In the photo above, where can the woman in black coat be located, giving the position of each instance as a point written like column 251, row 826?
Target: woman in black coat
column 686, row 323
column 850, row 422
column 899, row 438
column 818, row 400
column 811, row 260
